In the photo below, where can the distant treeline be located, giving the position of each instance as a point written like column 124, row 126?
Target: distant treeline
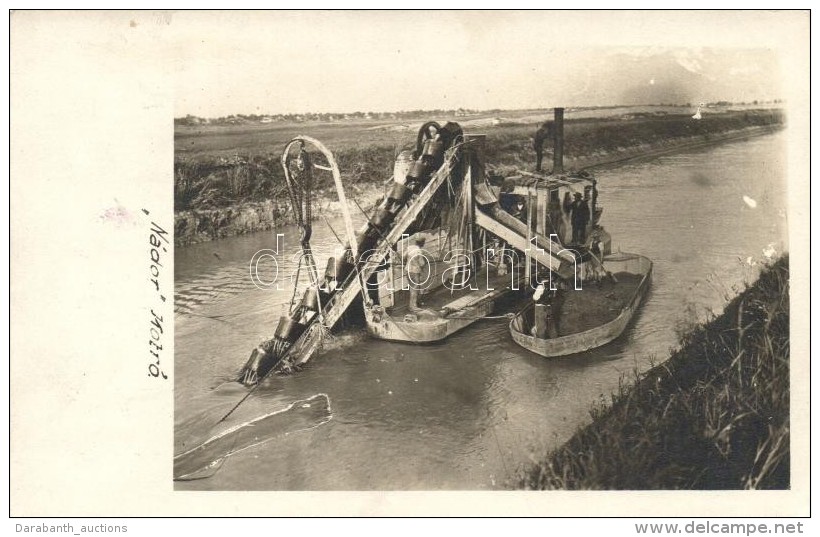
column 241, row 119
column 244, row 119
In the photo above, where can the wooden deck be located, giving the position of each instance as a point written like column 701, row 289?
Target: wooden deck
column 593, row 305
column 441, row 299
column 592, row 316
column 443, row 312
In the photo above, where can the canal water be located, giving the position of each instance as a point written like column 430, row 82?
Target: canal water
column 467, row 413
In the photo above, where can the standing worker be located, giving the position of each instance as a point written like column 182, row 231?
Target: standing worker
column 547, row 309
column 596, row 250
column 579, row 216
column 541, row 311
column 556, row 299
column 545, row 132
column 414, row 262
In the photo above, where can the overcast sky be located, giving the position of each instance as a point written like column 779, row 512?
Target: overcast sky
column 284, row 62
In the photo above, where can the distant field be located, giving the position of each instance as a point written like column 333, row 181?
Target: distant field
column 254, row 140
column 217, row 166
column 249, row 140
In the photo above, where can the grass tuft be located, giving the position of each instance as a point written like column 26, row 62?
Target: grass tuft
column 713, row 416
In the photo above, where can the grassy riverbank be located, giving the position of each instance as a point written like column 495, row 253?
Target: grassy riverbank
column 713, row 416
column 228, row 180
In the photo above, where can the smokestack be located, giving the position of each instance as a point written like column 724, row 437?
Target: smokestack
column 558, row 142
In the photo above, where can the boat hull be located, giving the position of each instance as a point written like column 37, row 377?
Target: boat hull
column 600, row 335
column 427, row 327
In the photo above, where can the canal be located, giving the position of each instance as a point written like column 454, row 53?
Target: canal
column 467, row 413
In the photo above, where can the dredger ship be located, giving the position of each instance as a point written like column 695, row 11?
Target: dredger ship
column 487, row 237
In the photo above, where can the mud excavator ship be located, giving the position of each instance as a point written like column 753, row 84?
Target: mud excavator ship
column 445, row 190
